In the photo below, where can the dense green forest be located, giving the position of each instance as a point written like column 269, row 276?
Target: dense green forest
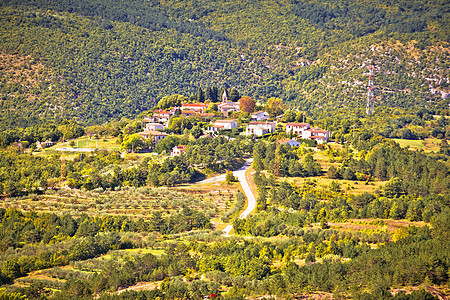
column 100, row 61
column 363, row 217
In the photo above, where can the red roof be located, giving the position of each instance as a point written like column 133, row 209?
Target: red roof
column 162, row 111
column 317, row 131
column 284, row 140
column 180, row 147
column 297, row 124
column 161, row 115
column 195, row 104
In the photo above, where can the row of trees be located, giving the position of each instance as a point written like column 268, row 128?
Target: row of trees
column 17, row 228
column 58, row 131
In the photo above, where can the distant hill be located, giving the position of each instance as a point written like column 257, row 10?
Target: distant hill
column 100, row 60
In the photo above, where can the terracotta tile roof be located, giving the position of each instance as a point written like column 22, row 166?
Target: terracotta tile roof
column 194, row 105
column 162, row 111
column 297, row 124
column 317, row 131
column 284, row 140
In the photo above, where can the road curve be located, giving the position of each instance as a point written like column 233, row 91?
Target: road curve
column 240, row 174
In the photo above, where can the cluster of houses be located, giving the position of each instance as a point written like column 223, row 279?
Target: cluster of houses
column 258, row 126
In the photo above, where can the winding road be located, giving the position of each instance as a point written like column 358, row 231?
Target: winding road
column 240, row 174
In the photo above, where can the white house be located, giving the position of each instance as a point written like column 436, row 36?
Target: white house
column 155, row 135
column 161, row 115
column 198, row 107
column 223, row 124
column 260, row 128
column 47, row 143
column 177, row 150
column 321, row 136
column 291, row 143
column 260, row 116
column 296, row 128
column 320, row 139
column 153, row 126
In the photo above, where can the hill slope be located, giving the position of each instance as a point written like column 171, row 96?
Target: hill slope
column 105, row 60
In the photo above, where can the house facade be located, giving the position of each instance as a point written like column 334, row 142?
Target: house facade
column 198, row 107
column 320, row 139
column 296, row 128
column 321, row 136
column 260, row 116
column 260, row 128
column 177, row 150
column 223, row 124
column 156, row 136
column 153, row 126
column 161, row 116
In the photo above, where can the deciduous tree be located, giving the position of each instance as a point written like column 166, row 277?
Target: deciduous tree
column 275, row 106
column 247, row 104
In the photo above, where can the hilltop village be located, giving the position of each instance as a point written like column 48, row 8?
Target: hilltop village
column 226, row 118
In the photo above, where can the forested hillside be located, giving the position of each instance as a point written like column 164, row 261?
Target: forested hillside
column 96, row 60
column 100, row 200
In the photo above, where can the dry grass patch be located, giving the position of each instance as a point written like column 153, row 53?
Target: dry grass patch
column 141, row 286
column 324, row 161
column 347, row 186
column 387, row 225
column 427, row 145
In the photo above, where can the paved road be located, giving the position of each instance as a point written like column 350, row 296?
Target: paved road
column 240, row 174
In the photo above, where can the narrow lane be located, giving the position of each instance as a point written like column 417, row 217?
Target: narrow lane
column 240, row 174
